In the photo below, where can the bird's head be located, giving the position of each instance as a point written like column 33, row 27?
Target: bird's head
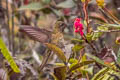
column 59, row 26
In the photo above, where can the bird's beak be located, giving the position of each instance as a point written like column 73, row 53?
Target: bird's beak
column 62, row 27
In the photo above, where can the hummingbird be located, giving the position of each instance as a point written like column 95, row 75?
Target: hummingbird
column 45, row 36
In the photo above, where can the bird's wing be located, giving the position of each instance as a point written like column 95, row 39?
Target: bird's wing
column 36, row 33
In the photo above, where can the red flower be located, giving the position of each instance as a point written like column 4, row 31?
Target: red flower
column 66, row 11
column 78, row 26
column 26, row 2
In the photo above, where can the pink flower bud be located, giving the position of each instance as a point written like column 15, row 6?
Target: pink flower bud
column 78, row 26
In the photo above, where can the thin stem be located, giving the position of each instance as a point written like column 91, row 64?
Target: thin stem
column 94, row 49
column 85, row 5
column 87, row 76
column 8, row 26
column 80, row 7
column 80, row 55
column 45, row 59
column 1, row 3
column 109, row 19
column 19, row 34
column 13, row 51
column 112, row 16
column 108, row 31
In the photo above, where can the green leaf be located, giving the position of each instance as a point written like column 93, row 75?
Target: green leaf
column 77, row 47
column 66, row 4
column 78, row 65
column 89, row 37
column 102, row 62
column 86, row 70
column 8, row 57
column 72, row 60
column 104, row 74
column 118, row 56
column 60, row 72
column 96, row 35
column 100, row 73
column 46, row 1
column 59, row 64
column 96, row 59
column 32, row 6
column 89, row 70
column 84, row 58
column 112, row 25
column 101, row 28
column 57, row 50
column 73, row 64
column 74, row 40
column 55, row 78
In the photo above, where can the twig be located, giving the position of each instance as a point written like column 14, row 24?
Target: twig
column 111, row 15
column 109, row 19
column 77, row 76
column 108, row 31
column 80, row 55
column 45, row 60
column 85, row 5
column 13, row 51
column 80, row 8
column 19, row 34
column 8, row 26
column 87, row 76
column 0, row 2
column 94, row 49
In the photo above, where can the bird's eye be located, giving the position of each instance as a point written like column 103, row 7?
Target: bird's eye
column 62, row 24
